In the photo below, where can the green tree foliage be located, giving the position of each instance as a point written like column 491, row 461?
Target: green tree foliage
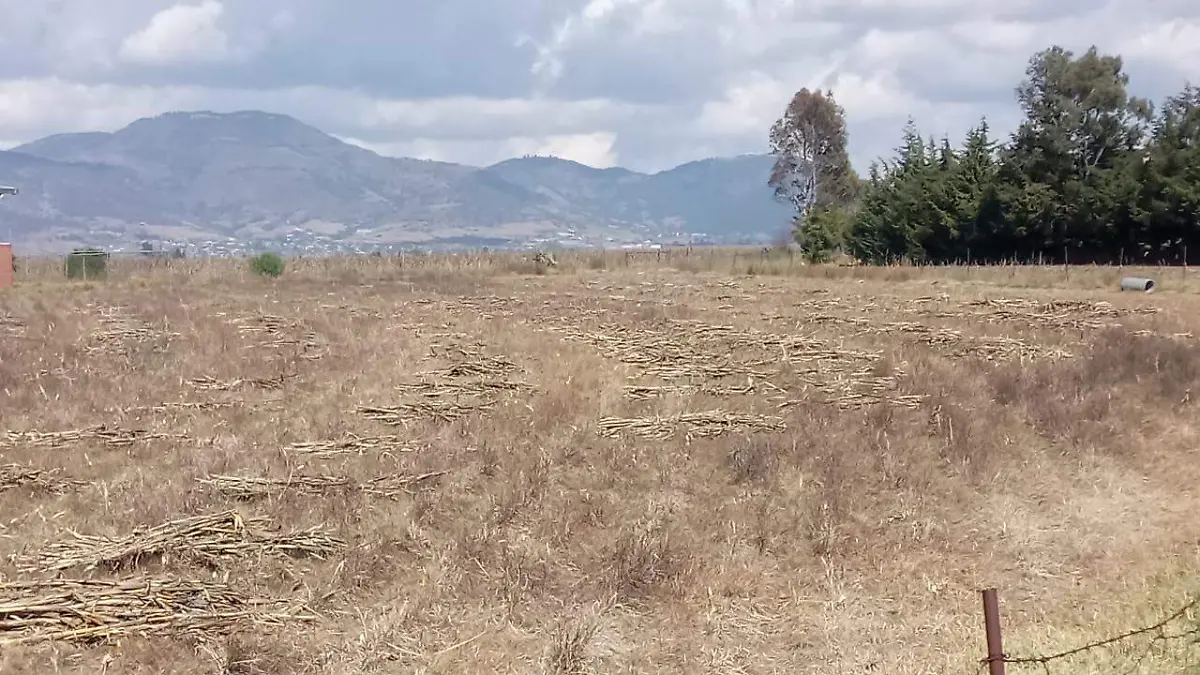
column 267, row 265
column 1091, row 172
column 823, row 232
column 812, row 170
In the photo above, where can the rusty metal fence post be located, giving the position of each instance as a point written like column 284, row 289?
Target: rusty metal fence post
column 995, row 644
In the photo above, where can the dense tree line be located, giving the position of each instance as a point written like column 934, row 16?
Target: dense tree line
column 1092, row 173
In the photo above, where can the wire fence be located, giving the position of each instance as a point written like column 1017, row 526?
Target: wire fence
column 1178, row 631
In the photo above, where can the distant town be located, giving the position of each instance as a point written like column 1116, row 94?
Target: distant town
column 303, row 242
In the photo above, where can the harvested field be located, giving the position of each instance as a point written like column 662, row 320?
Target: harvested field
column 619, row 464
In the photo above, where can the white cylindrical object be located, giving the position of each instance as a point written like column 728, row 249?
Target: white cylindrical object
column 1137, row 284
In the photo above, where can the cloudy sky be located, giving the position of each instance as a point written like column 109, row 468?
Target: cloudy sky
column 641, row 83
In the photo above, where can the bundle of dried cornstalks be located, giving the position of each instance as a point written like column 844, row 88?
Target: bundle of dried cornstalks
column 90, row 610
column 483, row 366
column 267, row 323
column 112, row 438
column 11, row 325
column 994, row 347
column 352, row 445
column 17, row 475
column 952, row 342
column 402, row 414
column 853, row 400
column 242, row 487
column 1169, row 336
column 707, row 424
column 118, row 335
column 206, row 538
column 206, row 383
column 284, row 332
column 458, row 389
column 168, row 406
column 646, row 392
column 716, row 369
column 1098, row 308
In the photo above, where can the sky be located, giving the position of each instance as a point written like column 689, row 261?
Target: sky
column 645, row 84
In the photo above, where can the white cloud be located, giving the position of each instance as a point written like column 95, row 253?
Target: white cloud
column 180, row 34
column 646, row 82
column 750, row 106
column 37, row 107
column 33, row 107
column 1172, row 44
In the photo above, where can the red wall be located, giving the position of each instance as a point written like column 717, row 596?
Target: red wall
column 6, row 265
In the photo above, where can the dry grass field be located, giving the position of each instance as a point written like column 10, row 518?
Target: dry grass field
column 693, row 464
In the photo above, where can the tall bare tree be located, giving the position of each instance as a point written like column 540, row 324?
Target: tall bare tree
column 812, row 168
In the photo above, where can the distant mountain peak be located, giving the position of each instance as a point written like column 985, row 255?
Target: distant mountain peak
column 255, row 175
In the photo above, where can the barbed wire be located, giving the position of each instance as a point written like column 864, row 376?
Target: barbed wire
column 1158, row 628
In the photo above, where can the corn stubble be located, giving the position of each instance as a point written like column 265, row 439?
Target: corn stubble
column 683, row 462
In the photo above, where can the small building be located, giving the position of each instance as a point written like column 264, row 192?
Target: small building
column 6, row 255
column 6, row 266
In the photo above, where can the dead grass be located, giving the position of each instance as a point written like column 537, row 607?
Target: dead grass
column 706, row 461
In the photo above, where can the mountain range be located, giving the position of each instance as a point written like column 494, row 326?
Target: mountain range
column 271, row 179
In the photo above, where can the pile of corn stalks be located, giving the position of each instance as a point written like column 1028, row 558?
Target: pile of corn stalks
column 952, row 342
column 18, row 475
column 205, row 383
column 205, row 538
column 434, row 389
column 352, row 445
column 119, row 335
column 282, row 332
column 246, row 488
column 469, row 360
column 109, row 437
column 648, row 392
column 403, row 414
column 92, row 610
column 695, row 354
column 484, row 307
column 706, row 424
column 172, row 406
column 11, row 326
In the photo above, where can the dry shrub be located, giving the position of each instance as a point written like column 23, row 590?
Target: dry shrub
column 1088, row 401
column 1166, row 368
column 371, row 562
column 521, row 493
column 523, row 577
column 645, row 558
column 754, row 460
column 568, row 651
column 962, row 420
column 247, row 654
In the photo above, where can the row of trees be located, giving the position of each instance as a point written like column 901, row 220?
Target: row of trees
column 1092, row 173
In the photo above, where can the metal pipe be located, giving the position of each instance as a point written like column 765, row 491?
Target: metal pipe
column 1137, row 284
column 991, row 620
